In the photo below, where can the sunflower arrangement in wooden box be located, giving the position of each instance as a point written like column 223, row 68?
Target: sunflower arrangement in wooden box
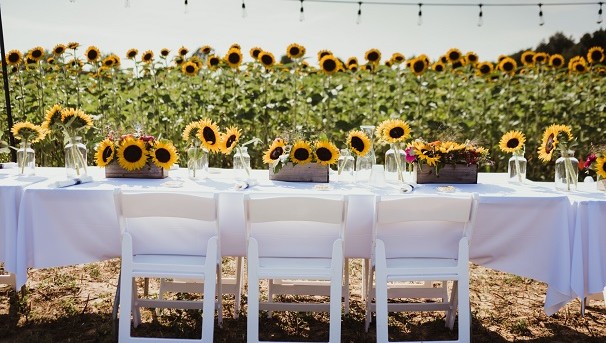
column 136, row 156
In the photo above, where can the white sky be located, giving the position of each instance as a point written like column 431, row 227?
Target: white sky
column 273, row 24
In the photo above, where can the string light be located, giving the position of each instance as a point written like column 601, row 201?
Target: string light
column 359, row 18
column 185, row 10
column 480, row 16
column 127, row 3
column 420, row 17
column 541, row 19
column 302, row 12
column 600, row 13
column 244, row 14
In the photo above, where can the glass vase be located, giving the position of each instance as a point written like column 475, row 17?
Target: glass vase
column 26, row 159
column 242, row 163
column 75, row 157
column 516, row 168
column 364, row 163
column 197, row 163
column 566, row 171
column 601, row 183
column 345, row 166
column 395, row 164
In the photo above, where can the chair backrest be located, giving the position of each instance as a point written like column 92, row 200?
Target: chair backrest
column 424, row 226
column 168, row 223
column 295, row 226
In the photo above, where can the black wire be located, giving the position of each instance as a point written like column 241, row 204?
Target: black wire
column 457, row 4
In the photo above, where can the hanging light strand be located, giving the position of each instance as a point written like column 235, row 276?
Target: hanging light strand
column 244, row 14
column 420, row 16
column 359, row 18
column 541, row 19
column 480, row 16
column 600, row 13
column 302, row 12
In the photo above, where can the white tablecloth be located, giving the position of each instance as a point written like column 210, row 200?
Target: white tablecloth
column 525, row 230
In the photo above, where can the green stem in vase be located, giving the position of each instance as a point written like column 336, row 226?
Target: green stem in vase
column 242, row 161
column 396, row 148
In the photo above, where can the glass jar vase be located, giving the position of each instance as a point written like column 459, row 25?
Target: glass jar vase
column 364, row 163
column 395, row 164
column 241, row 162
column 566, row 171
column 75, row 157
column 345, row 166
column 26, row 159
column 516, row 168
column 197, row 163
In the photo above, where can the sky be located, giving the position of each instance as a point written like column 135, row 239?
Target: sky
column 113, row 26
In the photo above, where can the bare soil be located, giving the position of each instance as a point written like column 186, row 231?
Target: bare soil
column 74, row 304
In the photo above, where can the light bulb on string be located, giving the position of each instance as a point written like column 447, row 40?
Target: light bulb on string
column 420, row 17
column 301, row 12
column 127, row 3
column 244, row 14
column 480, row 16
column 600, row 13
column 185, row 9
column 359, row 18
column 541, row 19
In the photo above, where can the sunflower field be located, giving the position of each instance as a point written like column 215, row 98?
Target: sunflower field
column 456, row 97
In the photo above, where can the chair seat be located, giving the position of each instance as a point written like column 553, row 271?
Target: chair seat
column 294, row 267
column 177, row 266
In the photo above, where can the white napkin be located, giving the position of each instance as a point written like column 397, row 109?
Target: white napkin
column 71, row 182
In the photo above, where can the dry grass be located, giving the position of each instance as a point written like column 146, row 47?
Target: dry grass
column 74, row 304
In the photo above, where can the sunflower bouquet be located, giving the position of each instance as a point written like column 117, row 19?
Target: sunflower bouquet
column 596, row 162
column 566, row 170
column 394, row 132
column 28, row 133
column 301, row 152
column 513, row 142
column 136, row 151
column 440, row 153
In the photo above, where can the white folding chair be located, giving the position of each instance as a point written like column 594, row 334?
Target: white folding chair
column 422, row 239
column 194, row 217
column 295, row 238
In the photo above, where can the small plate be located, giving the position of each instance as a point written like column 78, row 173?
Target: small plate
column 172, row 184
column 446, row 189
column 323, row 187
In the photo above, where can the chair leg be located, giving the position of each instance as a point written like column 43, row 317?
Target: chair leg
column 367, row 285
column 126, row 300
column 238, row 297
column 252, row 320
column 464, row 311
column 219, row 294
column 270, row 294
column 136, row 309
column 454, row 304
column 346, row 287
column 115, row 309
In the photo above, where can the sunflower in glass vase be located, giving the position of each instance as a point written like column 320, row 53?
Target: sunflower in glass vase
column 197, row 155
column 394, row 132
column 28, row 133
column 513, row 142
column 230, row 141
column 566, row 169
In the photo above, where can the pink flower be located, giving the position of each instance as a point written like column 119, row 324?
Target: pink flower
column 590, row 159
column 410, row 155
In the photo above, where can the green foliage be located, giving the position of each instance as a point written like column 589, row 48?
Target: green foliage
column 454, row 104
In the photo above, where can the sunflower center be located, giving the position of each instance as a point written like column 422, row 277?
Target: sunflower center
column 162, row 155
column 454, row 56
column 107, row 153
column 396, row 132
column 439, row 67
column 549, row 143
column 294, row 51
column 301, row 154
column 596, row 56
column 92, row 55
column 557, row 62
column 36, row 54
column 147, row 57
column 133, row 153
column 230, row 141
column 579, row 67
column 324, row 154
column 234, row 58
column 484, row 69
column 13, row 58
column 357, row 143
column 214, row 61
column 189, row 69
column 329, row 65
column 513, row 143
column 267, row 60
column 373, row 56
column 508, row 66
column 276, row 153
column 418, row 66
column 209, row 135
column 528, row 58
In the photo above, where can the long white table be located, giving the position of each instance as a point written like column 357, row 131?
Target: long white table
column 527, row 230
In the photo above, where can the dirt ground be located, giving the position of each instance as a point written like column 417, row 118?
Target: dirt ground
column 74, row 304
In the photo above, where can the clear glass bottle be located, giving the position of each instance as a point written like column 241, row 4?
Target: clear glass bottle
column 197, row 163
column 75, row 157
column 566, row 171
column 516, row 168
column 241, row 162
column 364, row 163
column 26, row 159
column 392, row 174
column 345, row 166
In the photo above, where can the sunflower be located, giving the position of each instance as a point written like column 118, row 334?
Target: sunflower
column 353, row 68
column 76, row 118
column 471, row 57
column 418, row 66
column 301, row 152
column 28, row 132
column 132, row 53
column 373, row 56
column 164, row 154
column 52, row 117
column 394, row 130
column 213, row 62
column 579, row 67
column 326, row 153
column 233, row 57
column 178, row 60
column 551, row 140
column 132, row 154
column 183, row 51
column 108, row 62
column 595, row 55
column 556, row 60
column 508, row 65
column 295, row 50
column 92, row 53
column 484, row 68
column 527, row 58
column 397, row 58
column 351, row 60
column 36, row 53
column 329, row 64
column 190, row 132
column 190, row 68
column 453, row 55
column 206, row 49
column 196, row 60
column 274, row 152
column 116, row 60
column 512, row 141
column 255, row 51
column 208, row 133
column 438, row 66
column 235, row 46
column 14, row 57
column 73, row 45
column 105, row 152
column 267, row 59
column 148, row 57
column 359, row 142
column 164, row 52
column 600, row 166
column 59, row 49
column 229, row 140
column 540, row 57
column 323, row 53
